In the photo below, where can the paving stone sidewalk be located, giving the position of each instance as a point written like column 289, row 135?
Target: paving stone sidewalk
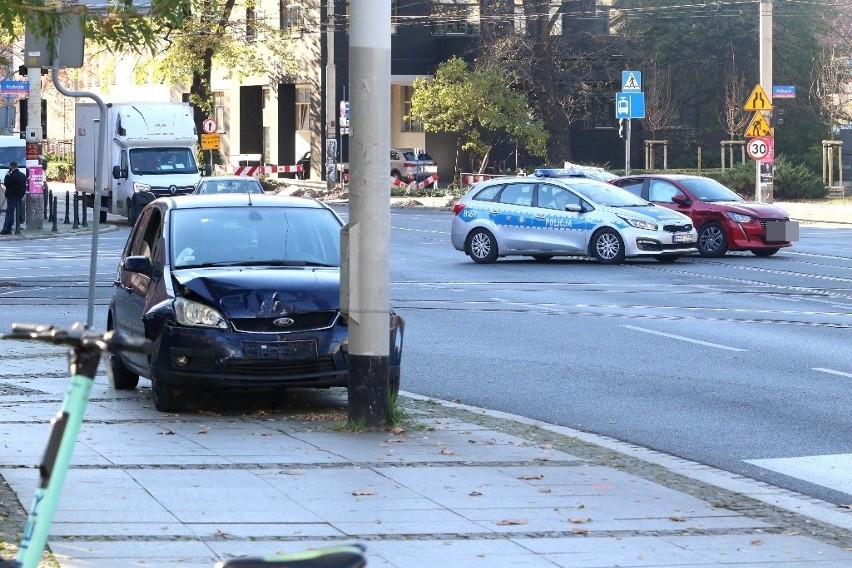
column 452, row 486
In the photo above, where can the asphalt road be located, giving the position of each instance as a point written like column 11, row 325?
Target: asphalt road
column 741, row 363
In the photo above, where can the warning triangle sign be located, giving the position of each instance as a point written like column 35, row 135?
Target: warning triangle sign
column 757, row 100
column 758, row 127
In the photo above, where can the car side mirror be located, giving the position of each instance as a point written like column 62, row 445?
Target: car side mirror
column 681, row 199
column 139, row 265
column 573, row 208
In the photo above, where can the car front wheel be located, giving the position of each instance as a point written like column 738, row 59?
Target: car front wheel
column 482, row 246
column 712, row 241
column 166, row 397
column 608, row 247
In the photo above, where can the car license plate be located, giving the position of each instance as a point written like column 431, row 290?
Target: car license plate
column 303, row 349
column 684, row 238
column 782, row 231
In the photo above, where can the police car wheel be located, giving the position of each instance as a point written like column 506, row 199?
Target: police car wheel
column 607, row 247
column 482, row 246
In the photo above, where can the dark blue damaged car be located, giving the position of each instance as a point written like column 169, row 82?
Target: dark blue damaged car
column 236, row 292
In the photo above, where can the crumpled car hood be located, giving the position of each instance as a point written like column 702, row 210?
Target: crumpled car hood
column 248, row 292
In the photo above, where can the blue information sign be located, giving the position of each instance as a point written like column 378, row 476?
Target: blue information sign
column 14, row 87
column 631, row 81
column 629, row 105
column 783, row 91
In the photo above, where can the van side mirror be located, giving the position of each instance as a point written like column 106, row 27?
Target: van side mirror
column 116, row 172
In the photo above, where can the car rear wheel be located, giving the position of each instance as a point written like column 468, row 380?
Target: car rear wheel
column 667, row 258
column 765, row 252
column 542, row 257
column 166, row 397
column 608, row 247
column 712, row 241
column 482, row 246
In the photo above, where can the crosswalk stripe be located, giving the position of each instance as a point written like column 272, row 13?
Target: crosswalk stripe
column 831, row 471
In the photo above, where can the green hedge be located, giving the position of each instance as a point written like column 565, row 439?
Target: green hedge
column 60, row 171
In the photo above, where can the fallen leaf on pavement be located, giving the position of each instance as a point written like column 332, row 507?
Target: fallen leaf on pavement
column 363, row 492
column 203, row 431
column 756, row 542
column 579, row 531
column 676, row 519
column 507, row 522
column 532, row 477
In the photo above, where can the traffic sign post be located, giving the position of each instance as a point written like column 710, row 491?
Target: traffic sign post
column 629, row 103
column 761, row 147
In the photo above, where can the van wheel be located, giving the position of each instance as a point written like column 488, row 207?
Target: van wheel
column 103, row 215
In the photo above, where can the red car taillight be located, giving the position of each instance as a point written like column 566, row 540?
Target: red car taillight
column 409, row 165
column 458, row 208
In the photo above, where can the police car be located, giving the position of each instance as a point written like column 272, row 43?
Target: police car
column 554, row 213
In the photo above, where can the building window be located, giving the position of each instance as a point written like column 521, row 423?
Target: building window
column 219, row 110
column 455, row 17
column 290, row 17
column 254, row 19
column 303, row 108
column 409, row 124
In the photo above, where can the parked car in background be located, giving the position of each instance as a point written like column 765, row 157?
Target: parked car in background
column 228, row 184
column 235, row 291
column 411, row 164
column 543, row 217
column 724, row 220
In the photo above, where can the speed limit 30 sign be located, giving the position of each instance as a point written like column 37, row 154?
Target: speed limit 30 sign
column 761, row 149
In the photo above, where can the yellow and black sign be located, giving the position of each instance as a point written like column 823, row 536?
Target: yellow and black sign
column 209, row 141
column 758, row 127
column 757, row 100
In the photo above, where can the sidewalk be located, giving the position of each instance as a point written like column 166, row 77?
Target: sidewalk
column 454, row 486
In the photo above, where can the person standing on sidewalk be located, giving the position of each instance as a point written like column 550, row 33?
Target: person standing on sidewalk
column 16, row 188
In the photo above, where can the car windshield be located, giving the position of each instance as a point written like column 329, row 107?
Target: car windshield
column 409, row 155
column 229, row 186
column 254, row 236
column 706, row 189
column 605, row 194
column 162, row 161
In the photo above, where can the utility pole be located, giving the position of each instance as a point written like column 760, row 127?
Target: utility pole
column 365, row 240
column 765, row 171
column 331, row 148
column 34, row 202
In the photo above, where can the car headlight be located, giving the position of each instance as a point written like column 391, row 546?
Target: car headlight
column 640, row 224
column 137, row 187
column 196, row 314
column 739, row 217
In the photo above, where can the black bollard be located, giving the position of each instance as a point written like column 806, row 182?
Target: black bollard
column 44, row 210
column 67, row 205
column 76, row 224
column 84, row 215
column 52, row 203
column 54, row 228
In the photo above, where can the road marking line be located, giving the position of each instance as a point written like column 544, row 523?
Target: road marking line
column 682, row 338
column 832, row 372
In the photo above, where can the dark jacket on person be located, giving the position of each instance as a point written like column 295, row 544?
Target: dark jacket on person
column 16, row 184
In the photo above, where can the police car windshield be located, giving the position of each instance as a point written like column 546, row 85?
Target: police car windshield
column 605, row 194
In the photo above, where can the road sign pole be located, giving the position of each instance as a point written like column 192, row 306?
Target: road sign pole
column 627, row 148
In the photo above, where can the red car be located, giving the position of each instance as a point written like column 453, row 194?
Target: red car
column 724, row 220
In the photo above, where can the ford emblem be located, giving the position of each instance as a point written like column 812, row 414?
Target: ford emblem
column 283, row 322
column 172, row 189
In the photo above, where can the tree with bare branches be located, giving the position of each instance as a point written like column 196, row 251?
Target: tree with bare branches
column 661, row 108
column 831, row 88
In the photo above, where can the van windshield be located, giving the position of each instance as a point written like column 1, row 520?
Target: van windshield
column 12, row 154
column 162, row 161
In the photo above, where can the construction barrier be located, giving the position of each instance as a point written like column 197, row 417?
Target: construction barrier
column 258, row 170
column 411, row 186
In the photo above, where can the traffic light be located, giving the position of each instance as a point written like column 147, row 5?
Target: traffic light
column 24, row 118
column 777, row 118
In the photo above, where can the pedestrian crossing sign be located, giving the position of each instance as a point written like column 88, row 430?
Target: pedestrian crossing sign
column 758, row 100
column 758, row 127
